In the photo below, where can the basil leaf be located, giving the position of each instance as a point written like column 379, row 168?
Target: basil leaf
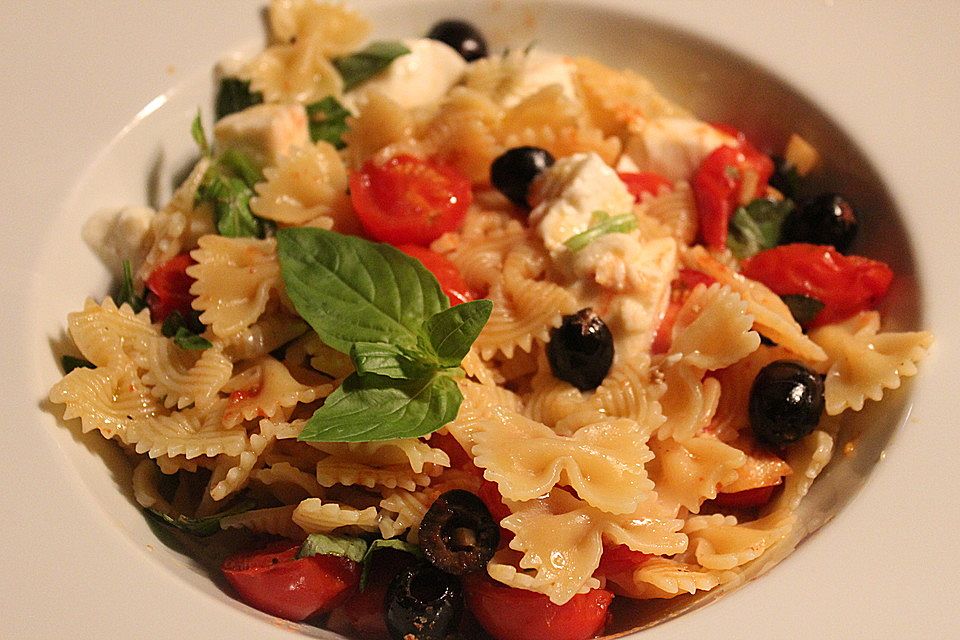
column 127, row 291
column 199, row 135
column 392, row 361
column 240, row 165
column 235, row 95
column 353, row 290
column 230, row 197
column 200, row 526
column 328, row 121
column 452, row 331
column 69, row 363
column 757, row 226
column 375, row 407
column 803, row 308
column 188, row 341
column 615, row 224
column 184, row 335
column 329, row 545
column 363, row 65
column 376, row 545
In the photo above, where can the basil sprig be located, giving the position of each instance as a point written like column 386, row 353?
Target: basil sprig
column 128, row 292
column 388, row 312
column 757, row 226
column 363, row 65
column 328, row 121
column 201, row 527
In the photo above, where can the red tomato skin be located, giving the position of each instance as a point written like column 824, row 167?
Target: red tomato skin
column 620, row 559
column 274, row 581
column 364, row 610
column 407, row 200
column 644, row 182
column 515, row 614
column 844, row 284
column 717, row 183
column 746, row 499
column 446, row 273
column 168, row 288
column 686, row 280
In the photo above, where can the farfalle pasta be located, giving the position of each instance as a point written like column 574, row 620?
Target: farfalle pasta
column 584, row 352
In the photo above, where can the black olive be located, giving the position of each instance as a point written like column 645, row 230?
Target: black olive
column 513, row 171
column 785, row 178
column 581, row 350
column 786, row 401
column 462, row 36
column 827, row 219
column 457, row 534
column 423, row 603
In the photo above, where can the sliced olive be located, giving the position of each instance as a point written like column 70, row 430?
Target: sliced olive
column 457, row 534
column 423, row 603
column 786, row 401
column 581, row 350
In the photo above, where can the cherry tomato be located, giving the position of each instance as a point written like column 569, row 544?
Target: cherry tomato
column 408, row 200
column 515, row 614
column 745, row 499
column 276, row 582
column 363, row 612
column 168, row 288
column 446, row 273
column 844, row 284
column 620, row 559
column 718, row 185
column 645, row 182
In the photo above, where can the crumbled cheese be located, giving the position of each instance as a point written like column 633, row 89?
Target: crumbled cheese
column 419, row 78
column 265, row 132
column 116, row 235
column 570, row 192
column 517, row 75
column 673, row 147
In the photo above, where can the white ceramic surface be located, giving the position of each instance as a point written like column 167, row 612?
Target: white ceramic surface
column 98, row 94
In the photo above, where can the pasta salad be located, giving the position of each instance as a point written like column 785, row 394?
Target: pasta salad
column 438, row 341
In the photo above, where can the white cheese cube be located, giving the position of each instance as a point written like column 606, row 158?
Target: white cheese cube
column 265, row 132
column 116, row 235
column 673, row 147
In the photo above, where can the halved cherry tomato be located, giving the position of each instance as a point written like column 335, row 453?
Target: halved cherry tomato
column 449, row 445
column 718, row 186
column 363, row 612
column 844, row 284
column 515, row 614
column 168, row 288
column 619, row 559
column 489, row 493
column 446, row 273
column 745, row 499
column 276, row 582
column 408, row 200
column 645, row 182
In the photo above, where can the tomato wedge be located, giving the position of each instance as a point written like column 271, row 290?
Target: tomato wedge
column 645, row 182
column 515, row 614
column 620, row 559
column 275, row 581
column 446, row 273
column 844, row 284
column 168, row 288
column 408, row 200
column 719, row 183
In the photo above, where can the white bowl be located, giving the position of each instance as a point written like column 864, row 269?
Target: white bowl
column 105, row 96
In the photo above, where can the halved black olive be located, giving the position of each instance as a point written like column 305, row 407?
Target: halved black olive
column 786, row 401
column 423, row 603
column 581, row 350
column 512, row 172
column 458, row 535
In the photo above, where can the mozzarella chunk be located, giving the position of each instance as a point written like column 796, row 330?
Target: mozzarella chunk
column 265, row 132
column 116, row 235
column 419, row 78
column 570, row 192
column 673, row 147
column 511, row 78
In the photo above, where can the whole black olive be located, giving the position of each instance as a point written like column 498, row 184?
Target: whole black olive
column 786, row 401
column 784, row 178
column 423, row 603
column 512, row 172
column 457, row 534
column 581, row 350
column 462, row 36
column 827, row 219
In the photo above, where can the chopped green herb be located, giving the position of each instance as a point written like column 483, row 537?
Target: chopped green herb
column 617, row 224
column 200, row 136
column 326, row 544
column 757, row 226
column 241, row 166
column 69, row 363
column 128, row 293
column 328, row 121
column 363, row 65
column 184, row 335
column 200, row 526
column 235, row 95
column 230, row 197
column 803, row 308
